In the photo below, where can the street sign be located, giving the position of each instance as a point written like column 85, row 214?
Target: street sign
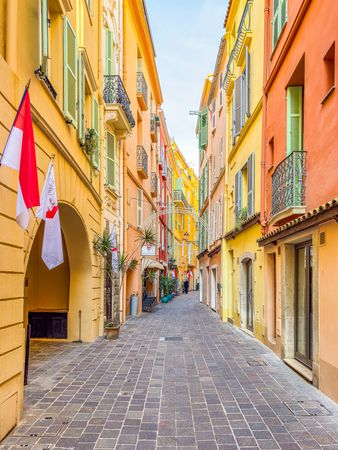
column 148, row 250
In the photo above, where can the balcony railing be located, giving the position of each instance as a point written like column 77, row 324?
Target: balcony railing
column 114, row 92
column 153, row 184
column 179, row 197
column 142, row 91
column 142, row 162
column 243, row 28
column 288, row 184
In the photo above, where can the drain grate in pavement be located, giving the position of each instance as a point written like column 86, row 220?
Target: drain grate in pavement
column 171, row 338
column 44, row 427
column 307, row 408
column 256, row 362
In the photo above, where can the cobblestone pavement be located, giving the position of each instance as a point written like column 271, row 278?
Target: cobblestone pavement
column 206, row 386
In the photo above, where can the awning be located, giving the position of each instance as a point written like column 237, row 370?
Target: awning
column 148, row 263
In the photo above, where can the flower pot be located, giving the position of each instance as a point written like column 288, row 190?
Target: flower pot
column 112, row 332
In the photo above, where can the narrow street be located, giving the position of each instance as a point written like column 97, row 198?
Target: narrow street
column 176, row 379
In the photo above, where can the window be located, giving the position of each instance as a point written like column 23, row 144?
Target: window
column 245, row 185
column 70, row 72
column 329, row 62
column 279, row 19
column 111, row 160
column 162, row 239
column 220, row 89
column 44, row 36
column 294, row 125
column 96, row 128
column 241, row 99
column 221, row 154
column 109, row 53
column 139, row 207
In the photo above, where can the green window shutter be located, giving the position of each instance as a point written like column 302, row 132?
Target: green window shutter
column 236, row 211
column 251, row 184
column 238, row 105
column 247, row 82
column 81, row 97
column 294, row 101
column 283, row 13
column 96, row 127
column 275, row 23
column 109, row 52
column 204, row 127
column 70, row 71
column 111, row 160
column 44, row 35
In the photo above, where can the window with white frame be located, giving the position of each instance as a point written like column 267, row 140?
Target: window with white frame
column 241, row 99
column 221, row 154
column 220, row 89
column 139, row 207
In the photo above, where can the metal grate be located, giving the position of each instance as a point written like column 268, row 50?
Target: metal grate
column 256, row 362
column 322, row 238
column 307, row 408
column 171, row 338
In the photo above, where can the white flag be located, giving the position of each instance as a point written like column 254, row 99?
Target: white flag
column 115, row 261
column 52, row 253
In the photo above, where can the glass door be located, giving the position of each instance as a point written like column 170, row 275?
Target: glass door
column 303, row 305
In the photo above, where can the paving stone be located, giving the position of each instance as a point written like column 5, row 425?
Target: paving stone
column 194, row 392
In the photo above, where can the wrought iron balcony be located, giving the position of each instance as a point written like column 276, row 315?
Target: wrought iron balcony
column 288, row 188
column 115, row 93
column 142, row 91
column 179, row 198
column 244, row 32
column 153, row 127
column 153, row 184
column 142, row 162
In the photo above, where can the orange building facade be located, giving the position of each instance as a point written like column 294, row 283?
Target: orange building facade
column 299, row 187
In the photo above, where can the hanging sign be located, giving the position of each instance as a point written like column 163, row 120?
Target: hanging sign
column 148, row 250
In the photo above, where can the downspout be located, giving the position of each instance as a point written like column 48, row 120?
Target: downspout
column 124, row 170
column 263, row 218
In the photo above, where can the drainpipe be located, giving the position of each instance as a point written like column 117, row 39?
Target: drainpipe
column 264, row 218
column 124, row 171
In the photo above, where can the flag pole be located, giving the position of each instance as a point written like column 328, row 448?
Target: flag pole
column 16, row 115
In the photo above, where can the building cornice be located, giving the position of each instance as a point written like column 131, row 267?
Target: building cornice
column 247, row 223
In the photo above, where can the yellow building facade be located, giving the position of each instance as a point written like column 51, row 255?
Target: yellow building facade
column 142, row 83
column 241, row 256
column 185, row 198
column 56, row 46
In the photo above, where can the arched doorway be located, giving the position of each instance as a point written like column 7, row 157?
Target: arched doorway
column 58, row 302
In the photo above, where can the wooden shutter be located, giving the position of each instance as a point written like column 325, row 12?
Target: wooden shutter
column 108, row 52
column 294, row 119
column 236, row 211
column 238, row 99
column 139, row 207
column 70, row 71
column 111, row 160
column 240, row 192
column 44, row 36
column 247, row 82
column 96, row 127
column 81, row 97
column 251, row 184
column 204, row 128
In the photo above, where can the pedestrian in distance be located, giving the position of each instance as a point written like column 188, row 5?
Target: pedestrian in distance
column 186, row 286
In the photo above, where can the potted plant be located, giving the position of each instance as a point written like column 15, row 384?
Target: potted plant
column 103, row 247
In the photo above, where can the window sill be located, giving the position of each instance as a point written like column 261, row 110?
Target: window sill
column 298, row 367
column 328, row 95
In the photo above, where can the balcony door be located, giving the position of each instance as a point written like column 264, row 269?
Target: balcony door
column 303, row 304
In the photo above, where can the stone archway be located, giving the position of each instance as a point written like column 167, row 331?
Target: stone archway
column 60, row 301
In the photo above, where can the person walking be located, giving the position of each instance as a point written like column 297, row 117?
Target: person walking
column 186, row 286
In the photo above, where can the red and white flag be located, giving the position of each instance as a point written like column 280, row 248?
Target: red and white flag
column 52, row 253
column 19, row 154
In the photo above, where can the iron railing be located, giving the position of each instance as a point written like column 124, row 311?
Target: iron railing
column 243, row 28
column 153, row 184
column 114, row 92
column 141, row 87
column 142, row 160
column 288, row 183
column 179, row 197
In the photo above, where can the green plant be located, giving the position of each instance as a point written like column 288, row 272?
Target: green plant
column 242, row 215
column 103, row 247
column 91, row 144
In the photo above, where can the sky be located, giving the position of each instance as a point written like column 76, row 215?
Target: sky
column 186, row 36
